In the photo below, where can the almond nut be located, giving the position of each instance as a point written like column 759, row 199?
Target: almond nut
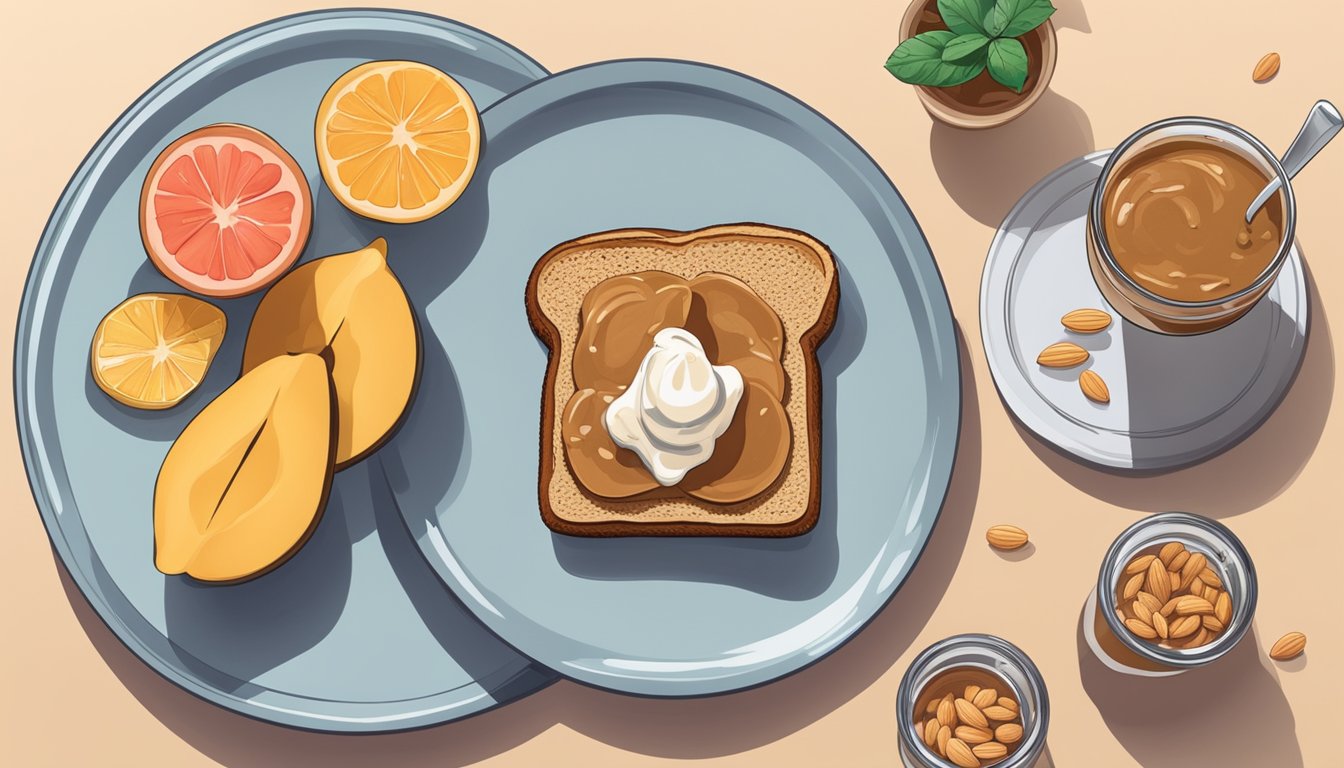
column 1008, row 704
column 1160, row 626
column 1151, row 603
column 991, row 750
column 1290, row 646
column 1169, row 607
column 947, row 714
column 972, row 735
column 1202, row 637
column 960, row 753
column 1006, row 537
column 1184, row 627
column 1064, row 354
column 1143, row 613
column 1086, row 320
column 1159, row 581
column 1139, row 565
column 969, row 693
column 1143, row 630
column 985, row 697
column 1094, row 387
column 969, row 714
column 1192, row 568
column 944, row 736
column 1188, row 605
column 1266, row 68
column 1211, row 577
column 1223, row 608
column 1212, row 624
column 1133, row 586
column 1008, row 733
column 1169, row 552
column 999, row 713
column 1179, row 560
column 931, row 732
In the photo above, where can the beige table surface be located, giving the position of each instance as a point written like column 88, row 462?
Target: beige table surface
column 73, row 696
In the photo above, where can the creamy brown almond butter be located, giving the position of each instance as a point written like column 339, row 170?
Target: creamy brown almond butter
column 1174, row 218
column 621, row 319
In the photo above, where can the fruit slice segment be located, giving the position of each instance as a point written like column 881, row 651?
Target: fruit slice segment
column 224, row 210
column 152, row 350
column 397, row 141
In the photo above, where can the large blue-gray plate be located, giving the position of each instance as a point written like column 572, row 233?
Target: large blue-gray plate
column 674, row 145
column 355, row 633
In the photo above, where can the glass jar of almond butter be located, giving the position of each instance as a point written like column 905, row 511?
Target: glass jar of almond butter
column 972, row 700
column 1175, row 591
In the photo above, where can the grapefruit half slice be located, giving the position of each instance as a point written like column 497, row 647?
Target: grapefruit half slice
column 224, row 210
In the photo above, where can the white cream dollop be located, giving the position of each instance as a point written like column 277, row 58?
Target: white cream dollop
column 676, row 407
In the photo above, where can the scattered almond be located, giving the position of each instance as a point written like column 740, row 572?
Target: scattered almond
column 1008, row 704
column 1006, row 537
column 944, row 736
column 931, row 727
column 1211, row 578
column 1290, row 646
column 1133, row 586
column 1094, row 387
column 984, row 697
column 1086, row 320
column 1151, row 603
column 1064, row 354
column 1192, row 568
column 1183, row 627
column 1266, row 68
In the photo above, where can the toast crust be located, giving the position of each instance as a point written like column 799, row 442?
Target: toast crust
column 674, row 243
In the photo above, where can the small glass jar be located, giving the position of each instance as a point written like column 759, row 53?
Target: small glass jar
column 1117, row 647
column 1157, row 313
column 1002, row 660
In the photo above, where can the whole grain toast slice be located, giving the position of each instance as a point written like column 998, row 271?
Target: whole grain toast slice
column 791, row 271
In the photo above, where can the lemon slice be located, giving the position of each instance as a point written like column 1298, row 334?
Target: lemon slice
column 397, row 141
column 155, row 348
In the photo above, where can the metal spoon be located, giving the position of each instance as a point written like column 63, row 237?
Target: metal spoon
column 1323, row 122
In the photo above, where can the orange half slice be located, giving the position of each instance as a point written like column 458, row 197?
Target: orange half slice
column 397, row 141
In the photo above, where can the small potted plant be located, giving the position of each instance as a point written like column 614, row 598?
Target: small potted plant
column 976, row 63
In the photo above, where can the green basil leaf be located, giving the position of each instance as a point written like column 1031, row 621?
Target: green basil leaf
column 1011, row 18
column 1008, row 62
column 962, row 46
column 965, row 16
column 919, row 61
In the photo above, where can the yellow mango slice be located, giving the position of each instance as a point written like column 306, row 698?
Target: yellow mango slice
column 350, row 309
column 246, row 481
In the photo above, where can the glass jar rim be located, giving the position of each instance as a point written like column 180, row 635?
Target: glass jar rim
column 1236, row 629
column 1096, row 224
column 1033, row 738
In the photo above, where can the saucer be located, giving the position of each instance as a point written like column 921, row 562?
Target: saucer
column 1175, row 400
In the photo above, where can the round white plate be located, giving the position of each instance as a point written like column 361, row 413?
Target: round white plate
column 1175, row 400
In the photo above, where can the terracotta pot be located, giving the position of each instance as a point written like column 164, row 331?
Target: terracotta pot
column 949, row 105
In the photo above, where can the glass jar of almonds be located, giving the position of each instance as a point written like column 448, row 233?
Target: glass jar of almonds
column 1175, row 591
column 972, row 701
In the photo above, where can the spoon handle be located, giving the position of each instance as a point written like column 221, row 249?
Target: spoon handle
column 1322, row 123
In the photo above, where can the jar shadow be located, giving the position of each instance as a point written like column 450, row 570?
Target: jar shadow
column 1240, row 702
